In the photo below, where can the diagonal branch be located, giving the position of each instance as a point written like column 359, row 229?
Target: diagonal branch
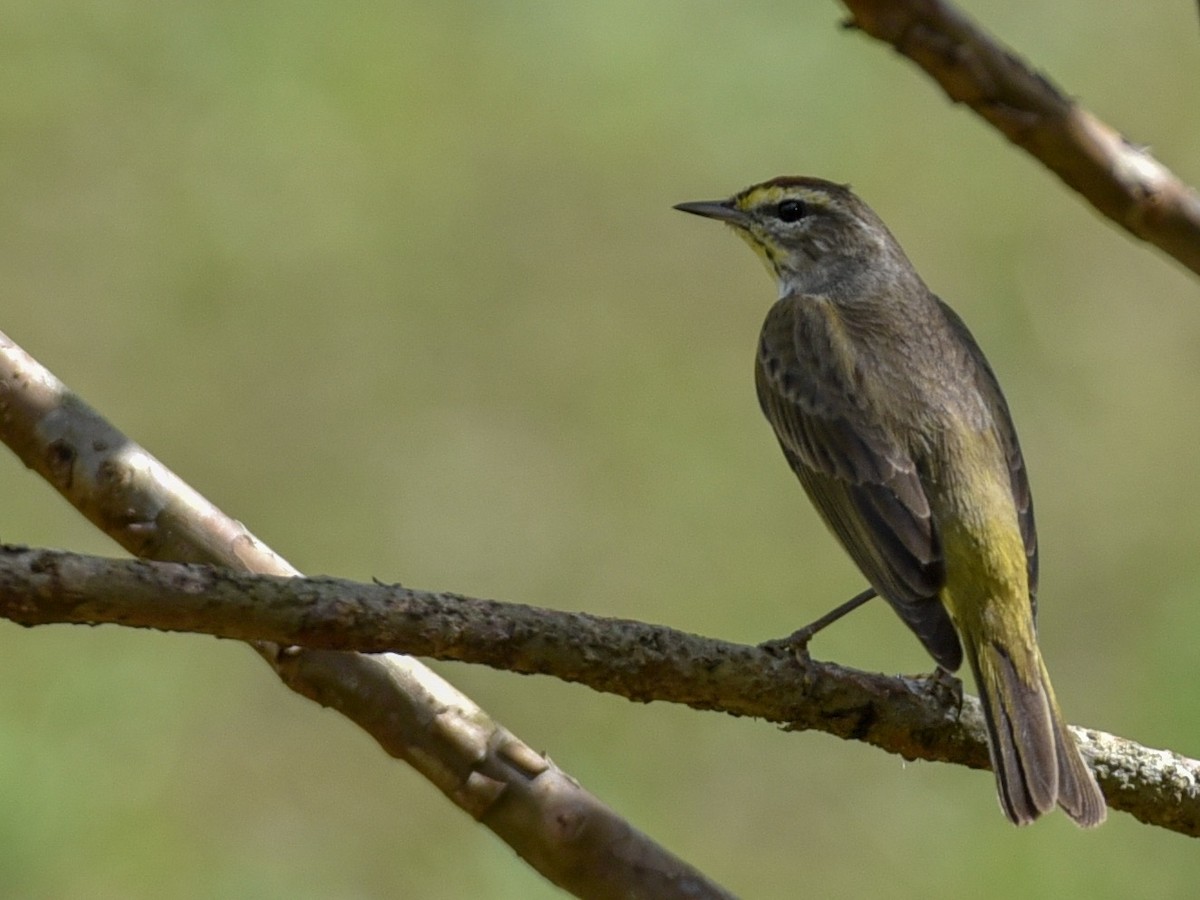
column 1119, row 178
column 913, row 717
column 564, row 832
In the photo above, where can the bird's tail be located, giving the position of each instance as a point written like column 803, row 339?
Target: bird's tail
column 1035, row 758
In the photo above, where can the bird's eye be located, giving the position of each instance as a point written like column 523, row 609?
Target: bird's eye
column 791, row 210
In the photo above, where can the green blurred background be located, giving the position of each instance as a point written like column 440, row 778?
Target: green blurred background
column 400, row 286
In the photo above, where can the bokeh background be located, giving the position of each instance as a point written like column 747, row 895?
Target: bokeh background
column 400, row 286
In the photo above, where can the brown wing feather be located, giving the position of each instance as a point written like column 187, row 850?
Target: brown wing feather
column 863, row 483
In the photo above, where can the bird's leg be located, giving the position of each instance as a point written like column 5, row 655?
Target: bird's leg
column 797, row 641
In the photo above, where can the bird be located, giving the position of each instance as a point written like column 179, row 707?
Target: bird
column 894, row 423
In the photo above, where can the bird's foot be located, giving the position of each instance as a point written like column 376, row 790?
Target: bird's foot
column 797, row 642
column 946, row 687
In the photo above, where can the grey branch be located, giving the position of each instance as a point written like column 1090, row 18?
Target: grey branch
column 1118, row 177
column 917, row 718
column 568, row 835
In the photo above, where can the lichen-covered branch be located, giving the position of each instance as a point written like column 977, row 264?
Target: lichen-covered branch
column 545, row 815
column 1119, row 178
column 917, row 718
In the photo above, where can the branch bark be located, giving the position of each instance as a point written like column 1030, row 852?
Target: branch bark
column 559, row 828
column 1122, row 180
column 916, row 718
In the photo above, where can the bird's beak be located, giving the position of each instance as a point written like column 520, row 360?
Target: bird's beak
column 721, row 210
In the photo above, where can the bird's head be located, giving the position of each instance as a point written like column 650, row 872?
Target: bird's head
column 811, row 233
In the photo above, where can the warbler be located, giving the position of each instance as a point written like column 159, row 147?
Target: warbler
column 892, row 419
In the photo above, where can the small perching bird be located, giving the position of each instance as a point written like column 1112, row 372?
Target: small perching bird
column 893, row 421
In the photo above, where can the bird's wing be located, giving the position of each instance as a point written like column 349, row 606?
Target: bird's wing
column 863, row 482
column 985, row 381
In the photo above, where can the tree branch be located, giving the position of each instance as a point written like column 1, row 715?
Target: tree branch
column 916, row 718
column 1119, row 178
column 559, row 828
